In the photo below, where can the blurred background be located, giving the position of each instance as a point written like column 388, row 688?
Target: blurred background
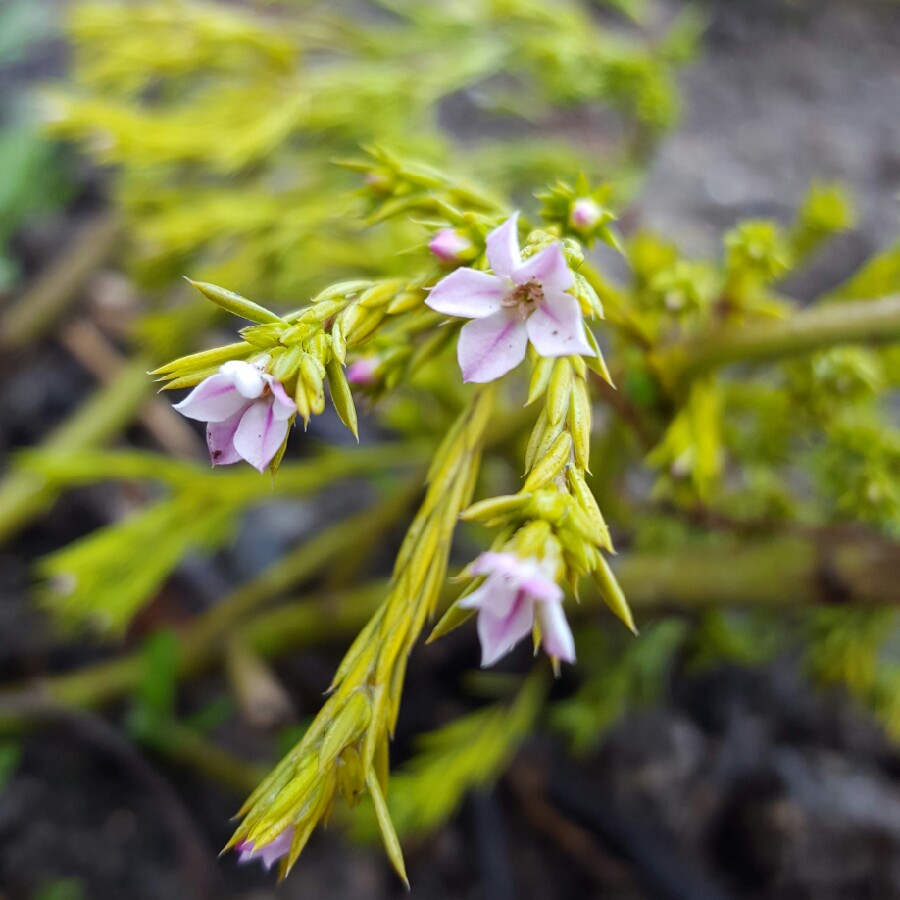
column 745, row 756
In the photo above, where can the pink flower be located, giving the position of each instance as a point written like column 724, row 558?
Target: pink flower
column 585, row 214
column 362, row 370
column 449, row 246
column 247, row 413
column 268, row 855
column 515, row 592
column 520, row 301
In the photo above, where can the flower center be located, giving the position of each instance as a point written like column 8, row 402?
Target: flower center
column 525, row 297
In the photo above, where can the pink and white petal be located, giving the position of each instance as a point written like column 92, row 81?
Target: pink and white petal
column 489, row 348
column 283, row 405
column 478, row 598
column 215, row 399
column 556, row 635
column 270, row 853
column 362, row 371
column 549, row 268
column 260, row 434
column 248, row 379
column 503, row 247
column 504, row 563
column 467, row 294
column 541, row 588
column 496, row 596
column 499, row 635
column 556, row 327
column 220, row 440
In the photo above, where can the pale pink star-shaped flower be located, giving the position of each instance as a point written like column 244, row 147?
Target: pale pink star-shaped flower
column 517, row 302
column 270, row 853
column 515, row 592
column 247, row 413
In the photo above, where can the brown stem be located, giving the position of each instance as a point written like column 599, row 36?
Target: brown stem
column 38, row 311
column 24, row 495
column 87, row 343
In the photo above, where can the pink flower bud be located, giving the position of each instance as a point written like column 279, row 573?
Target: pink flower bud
column 269, row 854
column 449, row 246
column 362, row 371
column 585, row 214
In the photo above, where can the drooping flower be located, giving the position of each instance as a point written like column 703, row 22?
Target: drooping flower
column 247, row 413
column 449, row 246
column 515, row 592
column 270, row 853
column 585, row 213
column 519, row 301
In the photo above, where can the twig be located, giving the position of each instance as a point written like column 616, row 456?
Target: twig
column 783, row 571
column 87, row 343
column 205, row 640
column 849, row 322
column 39, row 310
column 24, row 495
column 190, row 749
column 529, row 791
column 626, row 411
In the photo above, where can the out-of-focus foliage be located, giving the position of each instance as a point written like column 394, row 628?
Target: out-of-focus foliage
column 33, row 177
column 616, row 681
column 469, row 752
column 104, row 579
column 224, row 123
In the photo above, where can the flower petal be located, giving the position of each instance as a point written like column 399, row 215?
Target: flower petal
column 556, row 327
column 247, row 378
column 260, row 434
column 468, row 294
column 498, row 635
column 270, row 853
column 549, row 268
column 283, row 406
column 539, row 587
column 556, row 635
column 504, row 563
column 362, row 370
column 449, row 246
column 503, row 247
column 215, row 399
column 220, row 440
column 489, row 348
column 496, row 596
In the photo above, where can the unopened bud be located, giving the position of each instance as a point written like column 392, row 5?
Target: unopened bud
column 585, row 214
column 449, row 246
column 362, row 371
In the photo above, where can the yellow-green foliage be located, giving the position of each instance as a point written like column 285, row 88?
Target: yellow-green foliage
column 470, row 752
column 223, row 124
column 104, row 579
